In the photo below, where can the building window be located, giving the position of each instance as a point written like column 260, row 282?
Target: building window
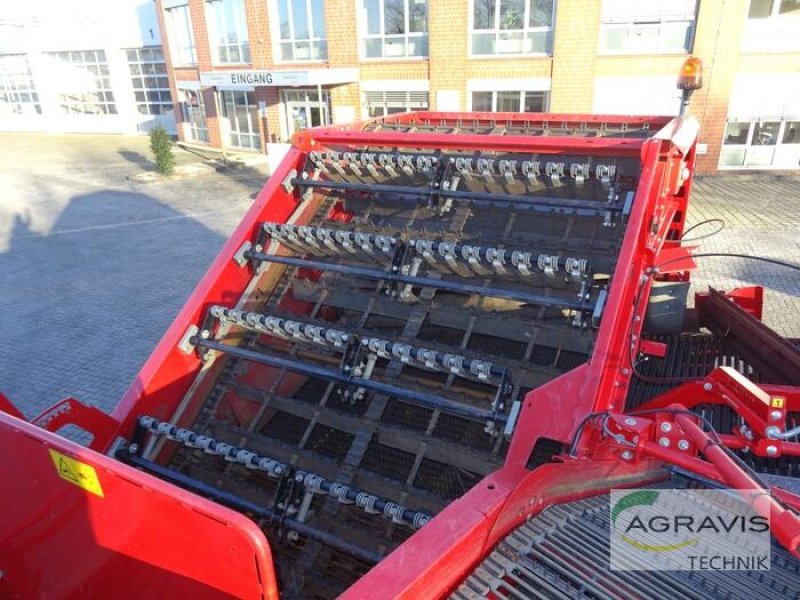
column 394, row 28
column 17, row 91
column 509, row 101
column 239, row 109
column 380, row 104
column 759, row 144
column 193, row 109
column 763, row 9
column 305, row 108
column 772, row 26
column 228, row 31
column 302, row 30
column 150, row 82
column 85, row 73
column 501, row 27
column 181, row 35
column 655, row 26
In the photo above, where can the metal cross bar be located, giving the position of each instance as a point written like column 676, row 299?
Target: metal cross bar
column 499, row 258
column 593, row 206
column 308, row 332
column 311, row 482
column 420, row 398
column 450, row 286
column 317, row 239
column 246, row 506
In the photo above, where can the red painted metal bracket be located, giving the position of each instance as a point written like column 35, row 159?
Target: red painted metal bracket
column 750, row 299
column 760, row 408
column 10, row 408
column 73, row 412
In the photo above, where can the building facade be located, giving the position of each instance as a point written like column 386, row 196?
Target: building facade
column 86, row 66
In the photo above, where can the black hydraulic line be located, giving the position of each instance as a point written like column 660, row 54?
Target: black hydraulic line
column 421, row 398
column 424, row 191
column 246, row 506
column 451, row 286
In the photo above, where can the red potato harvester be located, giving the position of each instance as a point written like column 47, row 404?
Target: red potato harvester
column 433, row 345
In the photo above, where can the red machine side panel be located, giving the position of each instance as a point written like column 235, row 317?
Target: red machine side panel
column 62, row 540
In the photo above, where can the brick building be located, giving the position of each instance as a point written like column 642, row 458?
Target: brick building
column 247, row 74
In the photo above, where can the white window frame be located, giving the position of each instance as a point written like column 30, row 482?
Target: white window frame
column 17, row 87
column 197, row 132
column 774, row 12
column 313, row 40
column 154, row 96
column 521, row 93
column 633, row 23
column 499, row 33
column 302, row 96
column 392, row 99
column 239, row 27
column 179, row 18
column 777, row 147
column 253, row 134
column 777, row 32
column 364, row 35
column 85, row 60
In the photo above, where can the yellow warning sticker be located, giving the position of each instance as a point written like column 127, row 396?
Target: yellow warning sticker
column 74, row 471
column 777, row 402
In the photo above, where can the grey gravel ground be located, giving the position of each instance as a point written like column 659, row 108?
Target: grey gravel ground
column 94, row 267
column 762, row 218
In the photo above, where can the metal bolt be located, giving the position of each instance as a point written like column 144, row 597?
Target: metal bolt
column 666, row 427
column 683, row 445
column 293, row 536
column 772, row 451
column 626, row 371
column 708, row 387
column 627, row 455
column 133, row 448
column 772, row 432
column 205, row 334
column 630, row 421
column 775, row 415
column 664, row 442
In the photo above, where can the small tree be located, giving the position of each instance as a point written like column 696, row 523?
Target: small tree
column 161, row 145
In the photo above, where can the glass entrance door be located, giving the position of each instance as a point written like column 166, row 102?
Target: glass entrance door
column 239, row 109
column 304, row 110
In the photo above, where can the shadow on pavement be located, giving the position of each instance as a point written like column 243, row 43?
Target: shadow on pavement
column 138, row 159
column 82, row 306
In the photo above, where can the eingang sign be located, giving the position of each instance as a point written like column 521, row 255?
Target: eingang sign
column 250, row 78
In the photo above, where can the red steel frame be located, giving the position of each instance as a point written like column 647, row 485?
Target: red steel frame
column 436, row 558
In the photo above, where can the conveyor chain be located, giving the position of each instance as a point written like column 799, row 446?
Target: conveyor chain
column 308, row 481
column 457, row 364
column 481, row 260
column 391, row 163
column 396, row 276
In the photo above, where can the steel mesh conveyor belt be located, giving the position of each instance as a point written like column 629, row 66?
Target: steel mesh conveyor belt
column 563, row 553
column 439, row 335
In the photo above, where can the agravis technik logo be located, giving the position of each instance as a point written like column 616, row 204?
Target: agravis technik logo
column 659, row 529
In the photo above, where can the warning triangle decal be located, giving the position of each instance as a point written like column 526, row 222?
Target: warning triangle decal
column 66, row 472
